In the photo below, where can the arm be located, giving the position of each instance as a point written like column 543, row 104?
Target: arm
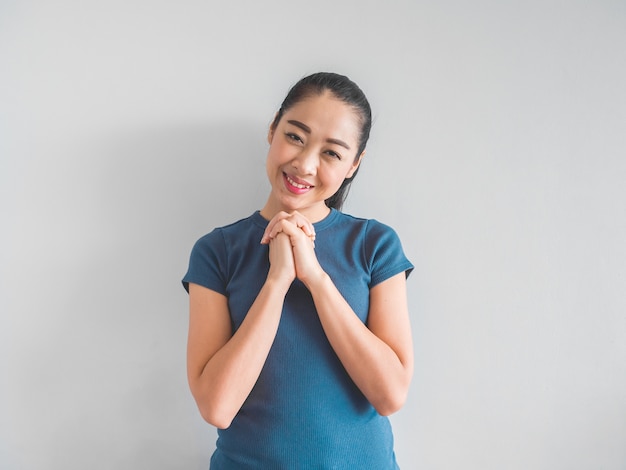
column 378, row 357
column 222, row 368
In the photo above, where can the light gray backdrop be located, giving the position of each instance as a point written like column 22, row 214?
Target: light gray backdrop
column 130, row 128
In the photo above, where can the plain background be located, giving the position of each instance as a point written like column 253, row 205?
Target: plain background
column 131, row 128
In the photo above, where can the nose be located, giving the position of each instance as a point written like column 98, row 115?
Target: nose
column 306, row 161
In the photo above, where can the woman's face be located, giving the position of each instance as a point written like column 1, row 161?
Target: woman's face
column 312, row 150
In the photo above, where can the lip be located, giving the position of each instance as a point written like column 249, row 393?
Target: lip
column 289, row 184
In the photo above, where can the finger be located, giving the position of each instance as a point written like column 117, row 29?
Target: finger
column 283, row 225
column 306, row 227
column 303, row 223
column 295, row 218
column 270, row 226
column 295, row 234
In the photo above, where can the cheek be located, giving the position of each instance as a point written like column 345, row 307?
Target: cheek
column 335, row 176
column 272, row 156
column 278, row 151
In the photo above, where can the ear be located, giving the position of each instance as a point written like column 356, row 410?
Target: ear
column 272, row 129
column 355, row 165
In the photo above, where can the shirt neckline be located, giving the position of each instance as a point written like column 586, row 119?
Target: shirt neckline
column 258, row 219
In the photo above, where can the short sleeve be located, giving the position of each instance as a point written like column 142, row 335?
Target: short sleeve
column 207, row 263
column 384, row 253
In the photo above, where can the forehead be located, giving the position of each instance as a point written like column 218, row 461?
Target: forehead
column 326, row 114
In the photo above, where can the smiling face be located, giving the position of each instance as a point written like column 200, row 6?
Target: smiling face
column 312, row 150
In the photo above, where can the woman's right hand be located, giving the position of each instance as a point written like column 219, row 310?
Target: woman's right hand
column 224, row 366
column 282, row 264
column 274, row 226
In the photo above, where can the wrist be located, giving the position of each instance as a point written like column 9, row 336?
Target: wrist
column 280, row 283
column 316, row 281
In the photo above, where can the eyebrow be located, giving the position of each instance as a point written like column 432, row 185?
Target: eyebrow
column 307, row 129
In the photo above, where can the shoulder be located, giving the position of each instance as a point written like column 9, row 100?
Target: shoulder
column 238, row 228
column 380, row 245
column 212, row 256
column 372, row 229
column 216, row 244
column 254, row 220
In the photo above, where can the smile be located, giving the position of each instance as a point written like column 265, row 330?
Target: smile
column 297, row 185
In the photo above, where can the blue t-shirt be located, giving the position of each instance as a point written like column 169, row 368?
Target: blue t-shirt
column 304, row 411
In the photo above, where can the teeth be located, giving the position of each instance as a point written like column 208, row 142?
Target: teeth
column 297, row 185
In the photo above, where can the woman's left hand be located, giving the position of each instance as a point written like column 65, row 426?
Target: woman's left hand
column 295, row 218
column 302, row 236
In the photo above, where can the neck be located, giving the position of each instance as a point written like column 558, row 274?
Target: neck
column 313, row 213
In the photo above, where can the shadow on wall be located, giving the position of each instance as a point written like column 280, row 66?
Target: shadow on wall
column 116, row 357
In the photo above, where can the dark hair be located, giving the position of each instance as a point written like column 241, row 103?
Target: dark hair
column 347, row 91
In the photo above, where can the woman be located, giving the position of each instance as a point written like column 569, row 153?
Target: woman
column 299, row 337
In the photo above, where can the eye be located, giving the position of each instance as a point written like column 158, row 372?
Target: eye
column 333, row 154
column 293, row 137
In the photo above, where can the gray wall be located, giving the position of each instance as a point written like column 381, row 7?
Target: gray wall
column 131, row 128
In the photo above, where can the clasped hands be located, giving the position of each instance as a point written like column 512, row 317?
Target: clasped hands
column 291, row 240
